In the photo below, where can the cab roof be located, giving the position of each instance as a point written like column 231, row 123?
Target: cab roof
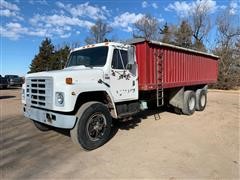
column 100, row 45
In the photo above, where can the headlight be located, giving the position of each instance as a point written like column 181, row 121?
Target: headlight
column 59, row 98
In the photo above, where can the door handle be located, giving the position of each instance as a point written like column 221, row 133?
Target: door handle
column 133, row 83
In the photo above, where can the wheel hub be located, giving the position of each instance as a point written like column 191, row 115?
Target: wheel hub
column 96, row 126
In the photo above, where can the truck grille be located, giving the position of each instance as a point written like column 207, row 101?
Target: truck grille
column 39, row 92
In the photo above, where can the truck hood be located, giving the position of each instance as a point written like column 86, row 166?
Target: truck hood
column 78, row 74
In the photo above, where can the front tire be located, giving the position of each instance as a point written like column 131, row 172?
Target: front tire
column 189, row 102
column 93, row 126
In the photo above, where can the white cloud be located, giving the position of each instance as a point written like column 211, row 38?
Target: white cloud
column 144, row 4
column 7, row 13
column 85, row 10
column 125, row 20
column 56, row 25
column 13, row 30
column 65, row 35
column 62, row 23
column 7, row 5
column 8, row 9
column 39, row 32
column 59, row 20
column 234, row 8
column 128, row 29
column 154, row 5
column 184, row 9
column 59, row 4
column 160, row 20
column 42, row 2
column 181, row 8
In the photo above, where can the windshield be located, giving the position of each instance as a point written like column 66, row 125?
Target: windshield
column 92, row 57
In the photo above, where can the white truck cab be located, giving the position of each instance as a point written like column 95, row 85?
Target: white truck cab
column 98, row 83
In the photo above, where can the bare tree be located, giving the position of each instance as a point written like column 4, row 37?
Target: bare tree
column 200, row 23
column 146, row 27
column 229, row 28
column 98, row 32
column 228, row 50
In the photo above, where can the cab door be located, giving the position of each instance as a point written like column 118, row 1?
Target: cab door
column 123, row 76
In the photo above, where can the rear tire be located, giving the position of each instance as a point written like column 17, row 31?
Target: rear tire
column 93, row 126
column 41, row 126
column 189, row 102
column 201, row 99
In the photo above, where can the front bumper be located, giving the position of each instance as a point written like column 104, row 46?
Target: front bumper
column 50, row 118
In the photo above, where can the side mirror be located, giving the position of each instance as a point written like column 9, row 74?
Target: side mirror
column 131, row 55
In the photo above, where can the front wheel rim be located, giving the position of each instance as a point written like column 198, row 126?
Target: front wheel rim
column 96, row 126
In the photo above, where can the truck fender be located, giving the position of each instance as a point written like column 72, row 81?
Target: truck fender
column 103, row 96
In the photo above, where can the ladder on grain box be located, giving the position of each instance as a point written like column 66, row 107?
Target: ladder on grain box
column 159, row 76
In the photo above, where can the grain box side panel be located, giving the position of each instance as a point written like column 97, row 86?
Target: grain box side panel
column 180, row 68
column 185, row 68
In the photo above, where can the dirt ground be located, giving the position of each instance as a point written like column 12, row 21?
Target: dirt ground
column 204, row 145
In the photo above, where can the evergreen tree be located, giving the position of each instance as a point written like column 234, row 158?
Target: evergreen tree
column 166, row 34
column 48, row 59
column 42, row 60
column 59, row 59
column 183, row 35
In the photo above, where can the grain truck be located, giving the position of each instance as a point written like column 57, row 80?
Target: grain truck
column 111, row 81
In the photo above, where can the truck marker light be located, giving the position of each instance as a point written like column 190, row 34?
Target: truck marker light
column 68, row 80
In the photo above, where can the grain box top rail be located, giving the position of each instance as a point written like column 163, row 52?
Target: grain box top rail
column 136, row 41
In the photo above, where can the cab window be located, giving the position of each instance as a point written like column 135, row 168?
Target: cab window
column 117, row 63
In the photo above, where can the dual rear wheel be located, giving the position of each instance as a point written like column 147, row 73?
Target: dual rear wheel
column 194, row 101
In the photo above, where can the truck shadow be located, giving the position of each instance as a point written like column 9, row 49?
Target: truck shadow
column 7, row 97
column 129, row 124
column 10, row 88
column 136, row 120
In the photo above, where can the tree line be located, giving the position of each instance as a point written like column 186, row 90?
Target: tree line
column 191, row 32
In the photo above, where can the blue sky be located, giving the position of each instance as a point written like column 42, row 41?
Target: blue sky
column 25, row 23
